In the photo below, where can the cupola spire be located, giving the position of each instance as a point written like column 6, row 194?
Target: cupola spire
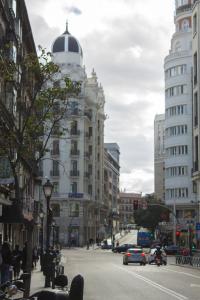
column 66, row 30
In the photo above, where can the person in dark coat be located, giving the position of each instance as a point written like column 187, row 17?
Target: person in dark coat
column 6, row 262
column 16, row 261
column 24, row 257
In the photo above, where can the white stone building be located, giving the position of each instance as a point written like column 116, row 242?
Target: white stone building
column 196, row 106
column 178, row 117
column 159, row 156
column 75, row 162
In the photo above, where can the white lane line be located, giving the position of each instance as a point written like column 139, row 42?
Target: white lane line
column 155, row 284
column 184, row 273
column 194, row 285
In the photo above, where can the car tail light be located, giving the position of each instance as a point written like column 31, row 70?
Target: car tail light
column 128, row 254
column 142, row 254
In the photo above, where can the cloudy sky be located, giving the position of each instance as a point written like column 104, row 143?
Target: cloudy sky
column 125, row 41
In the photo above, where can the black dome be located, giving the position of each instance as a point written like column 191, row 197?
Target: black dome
column 66, row 43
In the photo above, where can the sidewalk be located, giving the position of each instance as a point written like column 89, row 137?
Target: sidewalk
column 37, row 279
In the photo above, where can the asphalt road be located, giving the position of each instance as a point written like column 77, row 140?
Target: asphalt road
column 106, row 278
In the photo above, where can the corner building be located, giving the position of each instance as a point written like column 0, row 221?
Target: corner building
column 75, row 161
column 178, row 118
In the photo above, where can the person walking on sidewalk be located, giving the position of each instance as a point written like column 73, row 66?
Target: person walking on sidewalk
column 16, row 261
column 6, row 262
column 35, row 257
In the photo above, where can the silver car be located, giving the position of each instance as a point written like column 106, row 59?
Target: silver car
column 134, row 255
column 152, row 256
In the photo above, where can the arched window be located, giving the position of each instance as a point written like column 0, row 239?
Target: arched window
column 185, row 25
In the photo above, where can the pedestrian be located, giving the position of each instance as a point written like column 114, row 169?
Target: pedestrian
column 16, row 261
column 117, row 244
column 35, row 257
column 24, row 257
column 6, row 262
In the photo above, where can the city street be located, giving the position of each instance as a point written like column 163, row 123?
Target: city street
column 107, row 278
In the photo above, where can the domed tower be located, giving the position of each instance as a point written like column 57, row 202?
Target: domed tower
column 67, row 50
column 178, row 116
column 74, row 163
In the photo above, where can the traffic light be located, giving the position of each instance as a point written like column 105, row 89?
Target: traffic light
column 178, row 233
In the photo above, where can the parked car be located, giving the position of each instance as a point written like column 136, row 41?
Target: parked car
column 172, row 249
column 106, row 246
column 134, row 255
column 124, row 248
column 152, row 256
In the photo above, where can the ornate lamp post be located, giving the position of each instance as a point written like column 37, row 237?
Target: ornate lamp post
column 48, row 189
column 47, row 264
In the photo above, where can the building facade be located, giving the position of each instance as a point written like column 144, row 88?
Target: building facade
column 196, row 106
column 159, row 156
column 178, row 118
column 16, row 41
column 128, row 204
column 75, row 162
column 111, row 187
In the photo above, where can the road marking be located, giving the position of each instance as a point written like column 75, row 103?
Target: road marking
column 155, row 284
column 184, row 273
column 194, row 285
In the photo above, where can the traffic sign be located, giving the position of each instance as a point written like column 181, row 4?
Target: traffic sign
column 197, row 226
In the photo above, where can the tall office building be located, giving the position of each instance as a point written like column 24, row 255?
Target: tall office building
column 75, row 162
column 159, row 156
column 178, row 117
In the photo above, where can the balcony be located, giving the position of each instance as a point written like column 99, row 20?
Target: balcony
column 55, row 152
column 183, row 8
column 74, row 173
column 54, row 173
column 87, row 174
column 75, row 152
column 87, row 155
column 75, row 132
column 88, row 114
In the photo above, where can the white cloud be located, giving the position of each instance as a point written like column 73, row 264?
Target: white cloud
column 126, row 42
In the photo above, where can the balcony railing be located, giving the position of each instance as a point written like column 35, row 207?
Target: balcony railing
column 183, row 8
column 54, row 173
column 74, row 173
column 55, row 152
column 87, row 174
column 75, row 152
column 75, row 132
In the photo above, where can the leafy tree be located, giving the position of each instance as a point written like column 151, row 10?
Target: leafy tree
column 30, row 112
column 154, row 213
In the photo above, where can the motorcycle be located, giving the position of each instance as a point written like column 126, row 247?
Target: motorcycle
column 158, row 260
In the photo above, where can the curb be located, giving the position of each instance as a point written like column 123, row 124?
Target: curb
column 186, row 267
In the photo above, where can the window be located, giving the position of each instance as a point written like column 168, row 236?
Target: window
column 55, row 210
column 74, row 209
column 185, row 25
column 195, row 68
column 176, row 193
column 74, row 165
column 55, row 187
column 5, row 168
column 195, row 109
column 56, row 149
column 74, row 187
column 194, row 23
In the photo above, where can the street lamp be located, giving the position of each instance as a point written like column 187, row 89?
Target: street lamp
column 53, row 227
column 47, row 261
column 41, row 239
column 41, row 230
column 48, row 189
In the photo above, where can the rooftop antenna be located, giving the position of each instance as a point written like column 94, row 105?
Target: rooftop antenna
column 66, row 30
